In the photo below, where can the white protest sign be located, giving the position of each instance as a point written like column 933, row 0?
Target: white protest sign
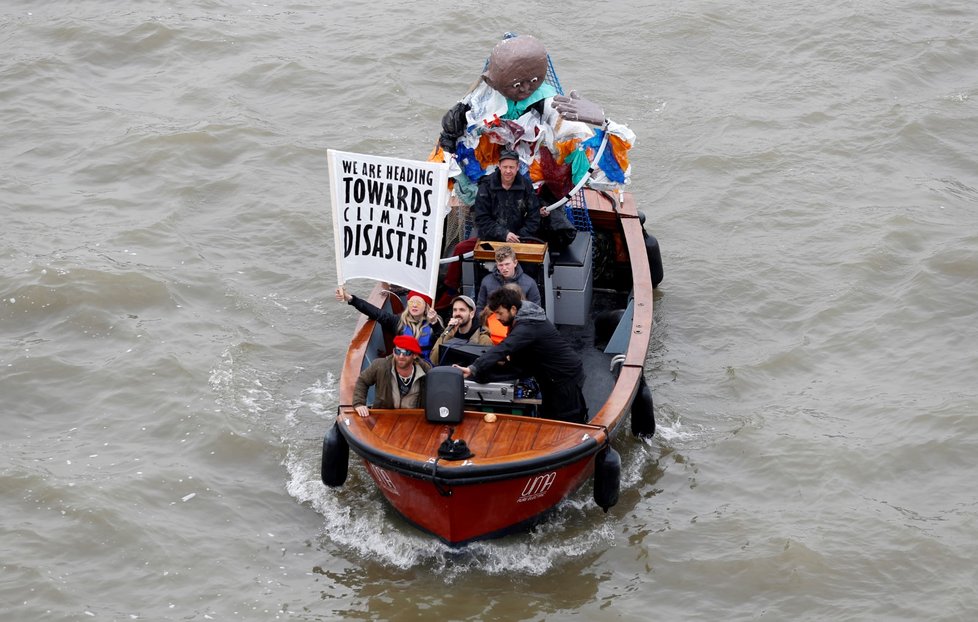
column 387, row 218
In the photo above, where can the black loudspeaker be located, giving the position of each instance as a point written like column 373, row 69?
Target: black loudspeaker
column 444, row 398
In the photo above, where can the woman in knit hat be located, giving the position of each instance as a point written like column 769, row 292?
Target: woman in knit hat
column 419, row 319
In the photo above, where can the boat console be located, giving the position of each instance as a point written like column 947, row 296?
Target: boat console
column 505, row 387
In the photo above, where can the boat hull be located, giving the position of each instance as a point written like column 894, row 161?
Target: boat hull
column 458, row 514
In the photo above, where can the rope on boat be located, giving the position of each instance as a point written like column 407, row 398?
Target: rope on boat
column 445, row 492
column 454, row 258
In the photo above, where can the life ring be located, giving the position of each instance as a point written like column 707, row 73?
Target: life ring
column 336, row 457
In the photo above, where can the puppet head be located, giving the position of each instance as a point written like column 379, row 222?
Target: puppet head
column 517, row 67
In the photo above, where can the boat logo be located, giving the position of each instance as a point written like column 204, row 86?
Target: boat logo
column 537, row 486
column 384, row 479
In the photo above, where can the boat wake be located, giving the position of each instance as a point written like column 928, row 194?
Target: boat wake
column 359, row 525
column 357, row 522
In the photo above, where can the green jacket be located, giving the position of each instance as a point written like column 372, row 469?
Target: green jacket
column 380, row 374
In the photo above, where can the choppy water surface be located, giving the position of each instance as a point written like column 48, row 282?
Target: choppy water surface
column 170, row 349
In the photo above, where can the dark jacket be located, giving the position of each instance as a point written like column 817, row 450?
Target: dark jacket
column 380, row 375
column 391, row 324
column 499, row 211
column 493, row 281
column 535, row 347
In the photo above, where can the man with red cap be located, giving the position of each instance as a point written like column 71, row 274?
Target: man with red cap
column 398, row 379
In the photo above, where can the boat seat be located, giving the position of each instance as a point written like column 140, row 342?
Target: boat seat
column 577, row 254
column 572, row 282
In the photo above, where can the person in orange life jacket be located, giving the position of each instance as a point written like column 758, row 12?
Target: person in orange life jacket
column 419, row 318
column 507, row 270
column 535, row 346
column 498, row 332
column 462, row 328
column 398, row 379
column 506, row 206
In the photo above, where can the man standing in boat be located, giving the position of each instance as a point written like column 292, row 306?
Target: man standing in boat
column 398, row 379
column 506, row 206
column 535, row 346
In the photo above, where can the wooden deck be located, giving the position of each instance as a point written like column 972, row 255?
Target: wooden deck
column 510, row 437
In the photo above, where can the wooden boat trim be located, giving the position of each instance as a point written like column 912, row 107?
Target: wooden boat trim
column 447, row 473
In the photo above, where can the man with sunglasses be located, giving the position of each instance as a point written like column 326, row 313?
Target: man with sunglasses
column 398, row 379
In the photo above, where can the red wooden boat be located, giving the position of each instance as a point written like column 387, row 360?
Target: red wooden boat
column 599, row 294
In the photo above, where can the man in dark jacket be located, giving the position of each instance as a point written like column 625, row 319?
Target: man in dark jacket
column 535, row 346
column 506, row 206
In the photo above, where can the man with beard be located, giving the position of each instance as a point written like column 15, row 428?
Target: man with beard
column 535, row 346
column 398, row 379
column 462, row 328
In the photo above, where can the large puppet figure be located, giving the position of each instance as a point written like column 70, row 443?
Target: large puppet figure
column 514, row 107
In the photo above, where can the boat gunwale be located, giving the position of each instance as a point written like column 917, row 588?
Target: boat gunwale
column 469, row 472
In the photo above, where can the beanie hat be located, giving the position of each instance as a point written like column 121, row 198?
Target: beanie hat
column 407, row 342
column 412, row 294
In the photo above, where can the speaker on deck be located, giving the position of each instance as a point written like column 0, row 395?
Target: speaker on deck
column 444, row 399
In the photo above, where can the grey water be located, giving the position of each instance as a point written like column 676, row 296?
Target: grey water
column 170, row 346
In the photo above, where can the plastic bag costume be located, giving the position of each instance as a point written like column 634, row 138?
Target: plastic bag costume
column 517, row 105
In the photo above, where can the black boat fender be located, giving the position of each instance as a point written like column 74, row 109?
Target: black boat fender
column 653, row 253
column 643, row 411
column 605, row 324
column 336, row 457
column 607, row 477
